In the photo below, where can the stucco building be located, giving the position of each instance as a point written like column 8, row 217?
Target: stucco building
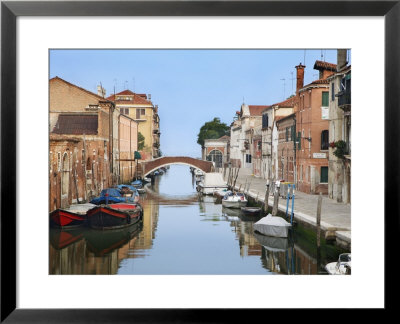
column 243, row 129
column 339, row 177
column 140, row 108
column 217, row 151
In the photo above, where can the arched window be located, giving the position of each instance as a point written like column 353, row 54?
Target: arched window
column 216, row 157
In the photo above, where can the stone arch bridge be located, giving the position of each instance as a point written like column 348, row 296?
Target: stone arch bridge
column 150, row 166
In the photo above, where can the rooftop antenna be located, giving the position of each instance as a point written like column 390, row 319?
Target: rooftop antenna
column 292, row 80
column 133, row 79
column 125, row 84
column 284, row 85
column 322, row 56
column 304, row 57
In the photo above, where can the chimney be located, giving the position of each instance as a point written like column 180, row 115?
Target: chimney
column 300, row 77
column 341, row 59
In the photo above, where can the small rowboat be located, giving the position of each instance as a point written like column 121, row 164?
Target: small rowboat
column 251, row 210
column 114, row 216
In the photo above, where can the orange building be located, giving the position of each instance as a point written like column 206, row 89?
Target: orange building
column 312, row 127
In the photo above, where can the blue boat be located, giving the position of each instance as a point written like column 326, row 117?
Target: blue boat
column 112, row 196
column 137, row 183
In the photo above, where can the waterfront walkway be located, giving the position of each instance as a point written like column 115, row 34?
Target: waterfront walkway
column 335, row 217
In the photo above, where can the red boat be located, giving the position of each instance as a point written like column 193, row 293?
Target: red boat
column 114, row 216
column 66, row 219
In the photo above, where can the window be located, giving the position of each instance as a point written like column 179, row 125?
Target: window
column 325, row 99
column 259, row 145
column 298, row 140
column 333, row 91
column 325, row 140
column 140, row 112
column 125, row 111
column 216, row 157
column 248, row 158
column 265, row 121
column 292, row 134
column 59, row 161
column 287, row 134
column 324, row 174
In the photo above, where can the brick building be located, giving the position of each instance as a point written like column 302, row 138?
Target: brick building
column 312, row 126
column 84, row 143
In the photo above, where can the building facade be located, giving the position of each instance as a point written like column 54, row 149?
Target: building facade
column 312, row 127
column 339, row 176
column 217, row 151
column 86, row 138
column 140, row 108
column 243, row 129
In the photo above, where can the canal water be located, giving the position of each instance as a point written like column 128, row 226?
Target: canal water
column 183, row 233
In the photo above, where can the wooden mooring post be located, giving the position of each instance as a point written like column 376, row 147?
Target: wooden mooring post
column 266, row 197
column 276, row 199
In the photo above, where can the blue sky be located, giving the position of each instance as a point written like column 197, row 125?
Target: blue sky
column 190, row 87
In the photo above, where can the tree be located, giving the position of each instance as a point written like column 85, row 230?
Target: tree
column 140, row 141
column 212, row 129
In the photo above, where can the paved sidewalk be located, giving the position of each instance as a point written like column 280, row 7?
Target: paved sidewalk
column 335, row 217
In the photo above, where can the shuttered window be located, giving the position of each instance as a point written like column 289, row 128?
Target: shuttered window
column 333, row 91
column 325, row 99
column 324, row 175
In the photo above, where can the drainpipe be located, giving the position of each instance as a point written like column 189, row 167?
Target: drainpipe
column 119, row 149
column 295, row 148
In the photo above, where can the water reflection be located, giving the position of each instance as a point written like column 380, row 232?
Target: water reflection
column 185, row 233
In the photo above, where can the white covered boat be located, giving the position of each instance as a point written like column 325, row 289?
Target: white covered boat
column 341, row 267
column 272, row 226
column 212, row 181
column 234, row 200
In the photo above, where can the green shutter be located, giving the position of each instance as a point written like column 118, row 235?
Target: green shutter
column 324, row 175
column 287, row 133
column 325, row 99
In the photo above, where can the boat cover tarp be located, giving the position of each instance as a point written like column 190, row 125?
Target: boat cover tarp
column 271, row 243
column 272, row 226
column 80, row 208
column 214, row 179
column 114, row 196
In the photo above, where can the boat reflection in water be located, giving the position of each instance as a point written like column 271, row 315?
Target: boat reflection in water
column 105, row 242
column 60, row 239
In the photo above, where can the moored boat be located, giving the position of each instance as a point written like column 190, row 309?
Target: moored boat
column 114, row 216
column 272, row 226
column 66, row 219
column 112, row 196
column 212, row 181
column 234, row 200
column 341, row 267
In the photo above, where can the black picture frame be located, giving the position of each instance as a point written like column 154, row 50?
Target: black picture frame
column 10, row 10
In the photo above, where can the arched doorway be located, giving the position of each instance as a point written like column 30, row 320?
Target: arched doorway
column 216, row 157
